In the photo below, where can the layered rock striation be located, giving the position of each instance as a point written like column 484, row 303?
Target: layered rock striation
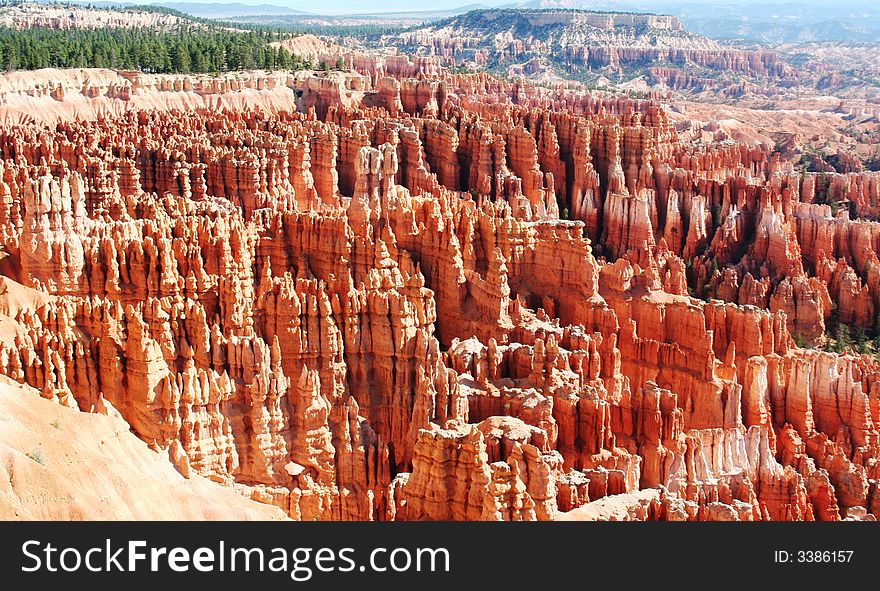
column 581, row 45
column 445, row 297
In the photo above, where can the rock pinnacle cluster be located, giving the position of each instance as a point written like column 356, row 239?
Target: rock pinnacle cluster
column 398, row 293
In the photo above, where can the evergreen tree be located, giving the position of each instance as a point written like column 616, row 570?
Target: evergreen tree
column 180, row 58
column 185, row 49
column 844, row 340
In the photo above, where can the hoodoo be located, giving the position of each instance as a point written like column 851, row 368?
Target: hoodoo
column 396, row 292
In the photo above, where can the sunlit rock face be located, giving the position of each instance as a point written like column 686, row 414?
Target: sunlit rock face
column 369, row 297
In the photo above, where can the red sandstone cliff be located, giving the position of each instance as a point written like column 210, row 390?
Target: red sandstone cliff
column 359, row 299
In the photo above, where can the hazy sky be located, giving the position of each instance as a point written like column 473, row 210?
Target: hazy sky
column 343, row 6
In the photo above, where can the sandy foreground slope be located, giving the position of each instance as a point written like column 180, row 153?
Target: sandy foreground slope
column 58, row 463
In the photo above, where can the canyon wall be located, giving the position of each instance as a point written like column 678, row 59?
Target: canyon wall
column 375, row 296
column 573, row 46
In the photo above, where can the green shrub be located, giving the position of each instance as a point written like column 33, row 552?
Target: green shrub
column 37, row 456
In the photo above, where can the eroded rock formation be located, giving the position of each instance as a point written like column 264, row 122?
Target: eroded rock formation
column 364, row 296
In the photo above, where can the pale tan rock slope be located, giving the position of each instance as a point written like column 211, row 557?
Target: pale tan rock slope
column 36, row 16
column 57, row 463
